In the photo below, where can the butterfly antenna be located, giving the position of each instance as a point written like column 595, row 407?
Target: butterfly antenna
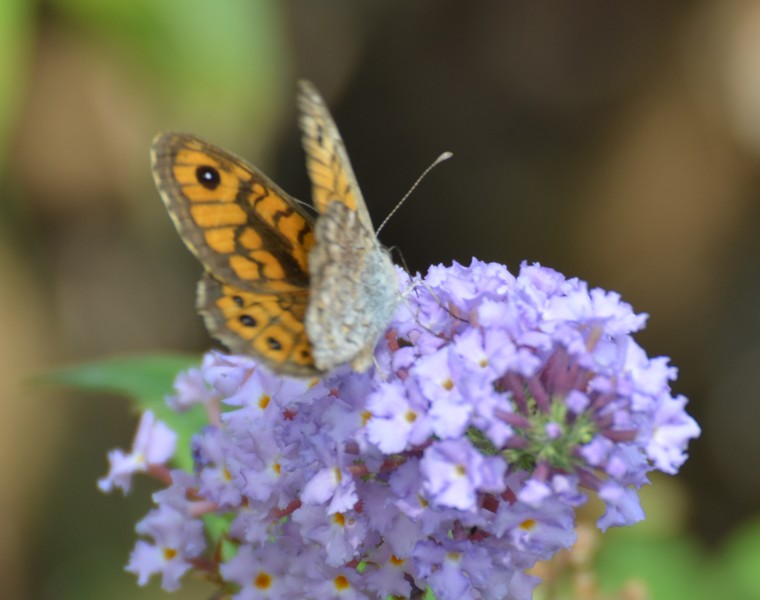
column 436, row 162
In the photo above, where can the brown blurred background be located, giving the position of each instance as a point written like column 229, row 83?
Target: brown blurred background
column 614, row 141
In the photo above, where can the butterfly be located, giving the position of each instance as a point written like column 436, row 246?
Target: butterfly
column 301, row 294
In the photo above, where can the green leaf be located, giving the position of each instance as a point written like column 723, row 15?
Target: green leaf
column 214, row 63
column 217, row 527
column 16, row 51
column 146, row 380
column 742, row 557
column 670, row 567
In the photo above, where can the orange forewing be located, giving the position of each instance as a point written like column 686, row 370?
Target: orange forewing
column 332, row 178
column 253, row 241
column 241, row 226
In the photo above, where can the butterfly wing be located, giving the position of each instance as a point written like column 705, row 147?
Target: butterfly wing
column 353, row 282
column 267, row 326
column 253, row 241
column 330, row 172
column 241, row 225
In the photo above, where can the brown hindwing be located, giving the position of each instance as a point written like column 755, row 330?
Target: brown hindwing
column 267, row 326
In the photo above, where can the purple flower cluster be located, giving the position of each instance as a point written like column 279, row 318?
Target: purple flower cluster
column 456, row 464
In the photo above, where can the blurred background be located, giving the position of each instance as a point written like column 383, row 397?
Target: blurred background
column 614, row 141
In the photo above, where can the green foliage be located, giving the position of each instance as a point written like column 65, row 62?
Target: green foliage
column 146, row 380
column 217, row 527
column 741, row 561
column 668, row 567
column 15, row 45
column 675, row 567
column 205, row 60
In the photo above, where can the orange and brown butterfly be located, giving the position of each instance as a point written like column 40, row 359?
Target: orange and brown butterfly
column 300, row 294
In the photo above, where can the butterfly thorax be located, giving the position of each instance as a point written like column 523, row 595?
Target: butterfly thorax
column 349, row 272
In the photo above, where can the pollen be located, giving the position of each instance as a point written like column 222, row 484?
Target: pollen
column 263, row 581
column 448, row 384
column 169, row 553
column 410, row 416
column 264, row 401
column 341, row 583
column 339, row 519
column 528, row 524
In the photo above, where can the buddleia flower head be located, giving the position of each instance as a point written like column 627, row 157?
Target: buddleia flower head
column 498, row 403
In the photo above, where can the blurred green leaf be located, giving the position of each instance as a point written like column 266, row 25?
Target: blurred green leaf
column 15, row 44
column 217, row 526
column 670, row 567
column 218, row 64
column 742, row 559
column 146, row 380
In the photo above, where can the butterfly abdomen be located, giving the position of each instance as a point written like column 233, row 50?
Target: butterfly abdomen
column 349, row 276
